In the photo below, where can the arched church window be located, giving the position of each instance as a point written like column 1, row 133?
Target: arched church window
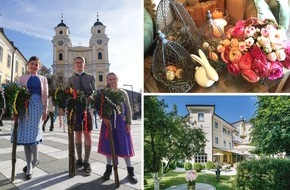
column 60, row 57
column 100, row 55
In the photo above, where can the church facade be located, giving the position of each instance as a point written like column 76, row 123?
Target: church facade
column 96, row 55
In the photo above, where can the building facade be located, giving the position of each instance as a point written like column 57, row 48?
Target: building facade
column 12, row 62
column 223, row 138
column 96, row 55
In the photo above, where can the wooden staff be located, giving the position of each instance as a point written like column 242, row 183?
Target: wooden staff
column 71, row 148
column 14, row 146
column 113, row 153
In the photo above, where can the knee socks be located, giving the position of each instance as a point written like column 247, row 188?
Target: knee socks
column 87, row 152
column 79, row 150
column 128, row 161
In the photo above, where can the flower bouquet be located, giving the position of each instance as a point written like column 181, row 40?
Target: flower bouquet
column 190, row 177
column 17, row 98
column 255, row 49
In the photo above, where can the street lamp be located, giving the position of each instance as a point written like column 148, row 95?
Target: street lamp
column 133, row 115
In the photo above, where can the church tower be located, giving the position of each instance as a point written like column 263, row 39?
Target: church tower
column 61, row 43
column 96, row 55
column 99, row 43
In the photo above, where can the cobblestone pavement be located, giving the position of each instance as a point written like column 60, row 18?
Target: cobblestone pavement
column 52, row 171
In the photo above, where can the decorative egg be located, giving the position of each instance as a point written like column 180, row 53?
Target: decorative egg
column 171, row 38
column 205, row 45
column 179, row 73
column 213, row 56
column 171, row 68
column 170, row 75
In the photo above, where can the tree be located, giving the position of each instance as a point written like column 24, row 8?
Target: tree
column 44, row 71
column 167, row 138
column 271, row 125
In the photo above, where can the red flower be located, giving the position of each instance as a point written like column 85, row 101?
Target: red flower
column 234, row 68
column 250, row 76
column 246, row 61
column 257, row 53
column 261, row 68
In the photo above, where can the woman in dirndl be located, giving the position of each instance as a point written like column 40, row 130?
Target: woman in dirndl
column 121, row 134
column 29, row 131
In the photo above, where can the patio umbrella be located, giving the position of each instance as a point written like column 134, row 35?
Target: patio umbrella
column 218, row 154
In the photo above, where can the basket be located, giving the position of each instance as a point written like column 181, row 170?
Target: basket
column 177, row 25
column 173, row 66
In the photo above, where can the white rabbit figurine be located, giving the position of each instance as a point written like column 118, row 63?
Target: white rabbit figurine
column 205, row 76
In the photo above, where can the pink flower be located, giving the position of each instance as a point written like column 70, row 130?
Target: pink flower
column 250, row 76
column 238, row 30
column 265, row 32
column 257, row 53
column 249, row 31
column 242, row 46
column 261, row 68
column 250, row 41
column 246, row 61
column 271, row 56
column 275, row 71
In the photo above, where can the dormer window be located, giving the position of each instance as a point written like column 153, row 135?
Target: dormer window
column 200, row 116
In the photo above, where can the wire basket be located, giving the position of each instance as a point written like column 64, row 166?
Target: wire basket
column 173, row 66
column 211, row 34
column 176, row 23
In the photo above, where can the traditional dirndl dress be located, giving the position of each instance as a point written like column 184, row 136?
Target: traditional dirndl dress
column 29, row 128
column 122, row 139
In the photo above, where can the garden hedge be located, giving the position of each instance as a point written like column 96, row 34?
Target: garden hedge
column 265, row 174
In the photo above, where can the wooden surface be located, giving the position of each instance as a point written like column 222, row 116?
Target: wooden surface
column 227, row 83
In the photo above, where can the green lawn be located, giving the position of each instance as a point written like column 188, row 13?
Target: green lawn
column 175, row 178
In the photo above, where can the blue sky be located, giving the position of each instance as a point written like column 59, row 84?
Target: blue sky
column 30, row 25
column 230, row 108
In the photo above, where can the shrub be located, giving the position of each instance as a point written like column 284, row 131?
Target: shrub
column 197, row 167
column 210, row 165
column 172, row 165
column 180, row 163
column 187, row 166
column 264, row 174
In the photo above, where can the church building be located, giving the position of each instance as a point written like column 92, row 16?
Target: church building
column 96, row 55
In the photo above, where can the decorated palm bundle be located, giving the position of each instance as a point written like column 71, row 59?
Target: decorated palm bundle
column 16, row 98
column 108, row 103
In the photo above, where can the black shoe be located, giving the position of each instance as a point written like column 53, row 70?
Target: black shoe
column 51, row 129
column 79, row 164
column 131, row 176
column 25, row 167
column 108, row 172
column 28, row 176
column 87, row 168
column 43, row 127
